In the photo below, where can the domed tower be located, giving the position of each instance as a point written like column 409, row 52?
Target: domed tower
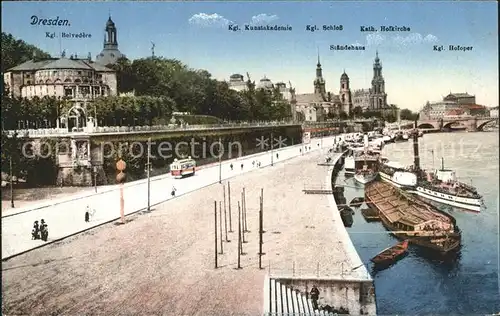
column 319, row 82
column 345, row 93
column 110, row 54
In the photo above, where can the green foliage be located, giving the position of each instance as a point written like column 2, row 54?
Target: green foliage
column 194, row 91
column 408, row 115
column 15, row 52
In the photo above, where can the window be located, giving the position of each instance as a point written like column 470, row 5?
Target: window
column 79, row 72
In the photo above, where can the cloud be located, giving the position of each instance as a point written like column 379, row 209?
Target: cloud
column 263, row 18
column 209, row 20
column 374, row 39
column 414, row 39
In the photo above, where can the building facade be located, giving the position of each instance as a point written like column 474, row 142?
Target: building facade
column 494, row 112
column 460, row 98
column 110, row 53
column 437, row 110
column 76, row 80
column 237, row 83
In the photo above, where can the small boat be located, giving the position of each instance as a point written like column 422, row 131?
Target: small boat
column 346, row 215
column 357, row 201
column 391, row 254
column 370, row 215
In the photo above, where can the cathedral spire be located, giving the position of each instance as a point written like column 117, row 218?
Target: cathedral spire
column 319, row 63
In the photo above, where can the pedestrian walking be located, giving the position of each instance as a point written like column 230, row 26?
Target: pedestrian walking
column 173, row 191
column 87, row 214
column 241, row 166
column 35, row 233
column 231, row 165
column 44, row 231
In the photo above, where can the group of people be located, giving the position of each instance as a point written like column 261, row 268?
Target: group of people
column 40, row 231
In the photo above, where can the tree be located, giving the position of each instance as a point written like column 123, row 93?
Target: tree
column 15, row 52
column 357, row 111
column 408, row 115
column 343, row 115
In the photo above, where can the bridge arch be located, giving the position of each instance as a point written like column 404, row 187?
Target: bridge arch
column 483, row 124
column 449, row 124
column 425, row 125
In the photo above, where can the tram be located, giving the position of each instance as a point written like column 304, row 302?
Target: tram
column 183, row 167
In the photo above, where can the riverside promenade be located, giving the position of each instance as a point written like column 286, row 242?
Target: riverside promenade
column 65, row 217
column 162, row 262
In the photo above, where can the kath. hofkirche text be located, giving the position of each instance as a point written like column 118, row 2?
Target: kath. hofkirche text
column 392, row 28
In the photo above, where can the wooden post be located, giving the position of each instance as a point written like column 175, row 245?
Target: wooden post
column 220, row 226
column 225, row 217
column 245, row 211
column 242, row 219
column 215, row 226
column 260, row 233
column 229, row 197
column 122, row 204
column 240, row 248
column 262, row 207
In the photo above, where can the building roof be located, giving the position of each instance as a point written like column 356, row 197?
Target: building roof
column 236, row 76
column 474, row 106
column 109, row 56
column 344, row 76
column 59, row 63
column 309, row 98
column 459, row 95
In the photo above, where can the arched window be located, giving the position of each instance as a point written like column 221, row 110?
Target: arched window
column 78, row 81
column 67, row 80
column 48, row 81
column 57, row 80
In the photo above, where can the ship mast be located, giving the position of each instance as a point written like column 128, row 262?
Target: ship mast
column 416, row 158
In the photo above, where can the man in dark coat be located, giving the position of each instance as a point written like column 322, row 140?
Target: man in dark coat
column 314, row 297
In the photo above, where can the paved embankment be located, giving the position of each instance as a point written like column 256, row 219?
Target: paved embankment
column 163, row 262
column 66, row 217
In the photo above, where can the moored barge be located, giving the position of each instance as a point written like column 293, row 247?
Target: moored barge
column 409, row 218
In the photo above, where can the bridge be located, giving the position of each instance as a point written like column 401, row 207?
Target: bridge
column 472, row 123
column 110, row 130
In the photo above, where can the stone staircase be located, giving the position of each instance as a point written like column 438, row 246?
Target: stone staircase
column 283, row 300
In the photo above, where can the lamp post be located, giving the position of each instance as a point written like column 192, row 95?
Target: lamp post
column 220, row 161
column 272, row 147
column 95, row 178
column 11, row 184
column 148, row 165
column 120, row 178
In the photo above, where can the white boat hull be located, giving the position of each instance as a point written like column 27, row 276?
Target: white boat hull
column 463, row 203
column 364, row 179
column 388, row 179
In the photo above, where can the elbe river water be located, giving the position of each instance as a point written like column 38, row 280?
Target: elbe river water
column 421, row 284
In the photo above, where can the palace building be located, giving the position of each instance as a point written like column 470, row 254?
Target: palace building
column 74, row 79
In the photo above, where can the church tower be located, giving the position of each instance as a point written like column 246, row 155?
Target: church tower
column 345, row 94
column 110, row 54
column 319, row 82
column 378, row 97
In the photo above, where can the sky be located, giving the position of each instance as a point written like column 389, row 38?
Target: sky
column 197, row 33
